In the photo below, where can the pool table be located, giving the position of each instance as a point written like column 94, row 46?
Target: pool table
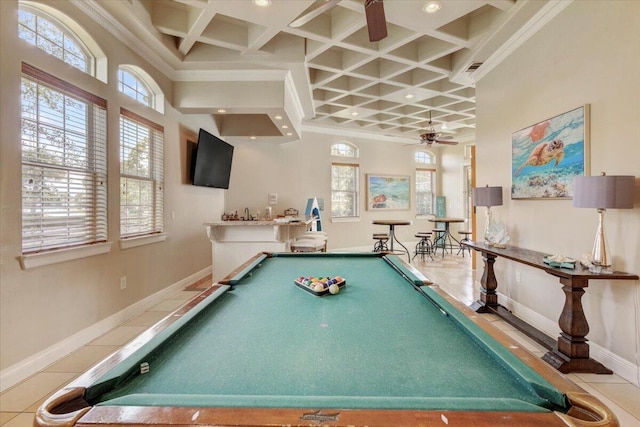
column 389, row 349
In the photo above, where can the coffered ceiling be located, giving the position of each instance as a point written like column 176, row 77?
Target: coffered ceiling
column 271, row 73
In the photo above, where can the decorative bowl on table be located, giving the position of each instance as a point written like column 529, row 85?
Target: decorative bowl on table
column 560, row 261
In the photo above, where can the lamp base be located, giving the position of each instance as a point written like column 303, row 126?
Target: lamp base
column 600, row 269
column 599, row 256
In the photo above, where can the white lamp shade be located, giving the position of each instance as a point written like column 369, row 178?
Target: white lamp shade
column 604, row 192
column 487, row 196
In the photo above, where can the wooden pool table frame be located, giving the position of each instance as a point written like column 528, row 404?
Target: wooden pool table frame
column 67, row 407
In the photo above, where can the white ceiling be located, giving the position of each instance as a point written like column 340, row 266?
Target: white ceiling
column 325, row 75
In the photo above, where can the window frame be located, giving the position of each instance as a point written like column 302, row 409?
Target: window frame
column 155, row 232
column 40, row 14
column 140, row 81
column 336, row 150
column 355, row 192
column 433, row 172
column 93, row 241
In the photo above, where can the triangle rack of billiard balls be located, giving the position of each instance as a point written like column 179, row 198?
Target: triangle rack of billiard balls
column 321, row 286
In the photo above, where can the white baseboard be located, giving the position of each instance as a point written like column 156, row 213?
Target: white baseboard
column 620, row 366
column 33, row 364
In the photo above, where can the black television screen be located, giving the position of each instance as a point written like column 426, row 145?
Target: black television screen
column 211, row 164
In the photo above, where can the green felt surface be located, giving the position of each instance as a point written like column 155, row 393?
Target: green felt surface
column 377, row 344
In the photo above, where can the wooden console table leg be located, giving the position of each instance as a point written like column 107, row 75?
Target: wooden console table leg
column 572, row 353
column 488, row 296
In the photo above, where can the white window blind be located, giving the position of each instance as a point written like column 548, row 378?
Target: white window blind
column 64, row 168
column 141, row 175
column 425, row 191
column 344, row 190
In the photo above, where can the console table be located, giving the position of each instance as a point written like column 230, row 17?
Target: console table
column 571, row 351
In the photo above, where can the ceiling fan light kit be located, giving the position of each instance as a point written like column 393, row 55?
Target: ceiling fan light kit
column 430, row 136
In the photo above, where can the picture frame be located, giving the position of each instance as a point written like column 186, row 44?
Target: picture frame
column 548, row 155
column 388, row 192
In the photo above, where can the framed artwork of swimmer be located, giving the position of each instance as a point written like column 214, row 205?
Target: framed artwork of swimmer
column 388, row 192
column 546, row 156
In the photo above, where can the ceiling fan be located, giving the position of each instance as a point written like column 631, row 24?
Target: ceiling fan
column 374, row 11
column 430, row 136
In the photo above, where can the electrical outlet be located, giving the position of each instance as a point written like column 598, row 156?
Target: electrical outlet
column 517, row 277
column 123, row 283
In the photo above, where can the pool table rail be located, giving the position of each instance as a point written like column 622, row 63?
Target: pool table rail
column 51, row 415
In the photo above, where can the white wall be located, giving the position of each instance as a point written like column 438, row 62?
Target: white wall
column 587, row 54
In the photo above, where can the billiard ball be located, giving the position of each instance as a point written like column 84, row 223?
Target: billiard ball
column 334, row 289
column 318, row 287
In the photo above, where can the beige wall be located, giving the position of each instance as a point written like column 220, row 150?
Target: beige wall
column 589, row 54
column 43, row 306
column 302, row 169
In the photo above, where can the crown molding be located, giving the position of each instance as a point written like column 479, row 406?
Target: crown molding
column 95, row 11
column 549, row 11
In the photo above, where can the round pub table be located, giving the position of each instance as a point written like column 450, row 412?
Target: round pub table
column 392, row 235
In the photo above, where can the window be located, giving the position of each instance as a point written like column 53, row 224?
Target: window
column 344, row 190
column 64, row 173
column 425, row 157
column 344, row 149
column 425, row 191
column 134, row 87
column 45, row 32
column 141, row 175
column 137, row 84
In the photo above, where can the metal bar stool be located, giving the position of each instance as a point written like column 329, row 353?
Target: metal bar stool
column 465, row 238
column 439, row 238
column 381, row 242
column 424, row 245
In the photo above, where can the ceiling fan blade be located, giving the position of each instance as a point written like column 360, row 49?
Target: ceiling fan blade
column 308, row 16
column 440, row 141
column 444, row 137
column 376, row 21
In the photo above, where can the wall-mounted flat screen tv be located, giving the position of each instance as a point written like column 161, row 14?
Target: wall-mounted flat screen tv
column 211, row 161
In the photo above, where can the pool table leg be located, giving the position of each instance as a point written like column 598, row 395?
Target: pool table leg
column 488, row 301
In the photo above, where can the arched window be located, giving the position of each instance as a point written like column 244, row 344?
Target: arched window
column 58, row 35
column 425, row 157
column 137, row 84
column 344, row 149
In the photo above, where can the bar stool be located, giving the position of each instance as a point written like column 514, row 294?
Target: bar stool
column 308, row 245
column 465, row 238
column 381, row 242
column 439, row 235
column 424, row 245
column 319, row 236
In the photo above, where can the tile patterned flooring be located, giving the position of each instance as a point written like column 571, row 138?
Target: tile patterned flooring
column 452, row 273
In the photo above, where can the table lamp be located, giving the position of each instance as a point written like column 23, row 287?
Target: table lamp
column 487, row 196
column 603, row 192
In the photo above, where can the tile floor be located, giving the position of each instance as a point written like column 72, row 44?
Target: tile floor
column 452, row 273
